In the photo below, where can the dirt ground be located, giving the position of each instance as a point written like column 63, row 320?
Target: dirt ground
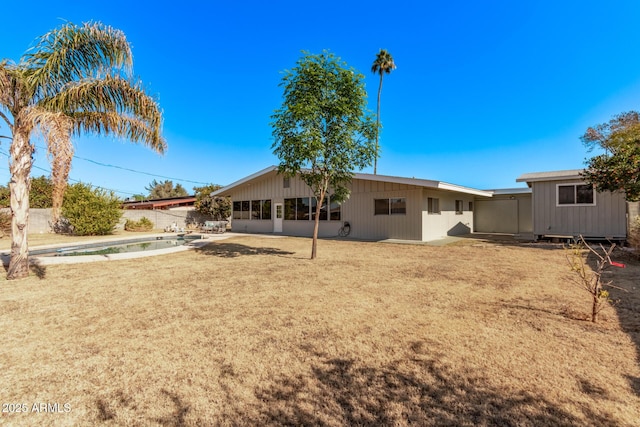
column 249, row 331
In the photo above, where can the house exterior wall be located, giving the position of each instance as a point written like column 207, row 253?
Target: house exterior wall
column 271, row 187
column 504, row 213
column 605, row 219
column 447, row 222
column 358, row 210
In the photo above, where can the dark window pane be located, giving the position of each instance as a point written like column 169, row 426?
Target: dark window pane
column 433, row 205
column 266, row 209
column 323, row 209
column 334, row 208
column 245, row 209
column 381, row 207
column 302, row 208
column 255, row 209
column 237, row 208
column 398, row 206
column 566, row 194
column 459, row 207
column 289, row 208
column 584, row 194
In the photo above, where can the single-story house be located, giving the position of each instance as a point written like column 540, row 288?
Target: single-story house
column 553, row 205
column 563, row 205
column 379, row 207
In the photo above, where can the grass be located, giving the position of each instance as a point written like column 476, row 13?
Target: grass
column 250, row 331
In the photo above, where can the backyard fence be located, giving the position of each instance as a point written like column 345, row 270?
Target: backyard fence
column 40, row 219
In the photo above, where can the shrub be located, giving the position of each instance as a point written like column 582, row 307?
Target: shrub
column 143, row 224
column 90, row 212
column 5, row 223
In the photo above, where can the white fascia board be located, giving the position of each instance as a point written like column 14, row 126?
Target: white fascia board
column 550, row 176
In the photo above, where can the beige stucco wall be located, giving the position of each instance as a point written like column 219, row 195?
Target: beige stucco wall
column 447, row 222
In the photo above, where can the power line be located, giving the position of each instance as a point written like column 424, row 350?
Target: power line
column 75, row 180
column 133, row 170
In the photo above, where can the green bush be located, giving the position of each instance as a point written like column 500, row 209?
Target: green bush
column 5, row 223
column 90, row 212
column 143, row 224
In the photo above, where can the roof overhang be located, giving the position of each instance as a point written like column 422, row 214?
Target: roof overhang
column 438, row 185
column 550, row 176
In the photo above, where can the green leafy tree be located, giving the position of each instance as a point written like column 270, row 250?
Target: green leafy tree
column 618, row 168
column 217, row 207
column 76, row 80
column 165, row 189
column 382, row 65
column 91, row 212
column 323, row 131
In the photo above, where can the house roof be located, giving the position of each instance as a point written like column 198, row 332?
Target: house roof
column 369, row 177
column 160, row 203
column 550, row 176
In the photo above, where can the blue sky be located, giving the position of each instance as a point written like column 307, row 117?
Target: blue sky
column 483, row 92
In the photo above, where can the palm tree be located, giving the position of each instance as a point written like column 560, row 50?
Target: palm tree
column 75, row 80
column 383, row 64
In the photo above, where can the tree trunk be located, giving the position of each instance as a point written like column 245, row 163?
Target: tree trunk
column 20, row 167
column 375, row 159
column 316, row 225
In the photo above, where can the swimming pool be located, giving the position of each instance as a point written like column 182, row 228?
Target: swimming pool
column 117, row 247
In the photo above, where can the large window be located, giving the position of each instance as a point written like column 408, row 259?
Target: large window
column 252, row 209
column 433, row 205
column 575, row 194
column 304, row 209
column 397, row 206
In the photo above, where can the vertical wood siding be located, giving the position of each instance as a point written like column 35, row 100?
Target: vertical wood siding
column 606, row 219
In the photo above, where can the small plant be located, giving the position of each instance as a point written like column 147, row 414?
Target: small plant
column 590, row 279
column 143, row 224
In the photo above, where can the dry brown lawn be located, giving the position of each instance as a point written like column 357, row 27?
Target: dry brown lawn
column 248, row 331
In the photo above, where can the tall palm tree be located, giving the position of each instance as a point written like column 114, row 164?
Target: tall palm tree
column 75, row 80
column 382, row 64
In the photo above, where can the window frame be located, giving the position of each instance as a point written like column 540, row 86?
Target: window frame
column 390, row 202
column 575, row 186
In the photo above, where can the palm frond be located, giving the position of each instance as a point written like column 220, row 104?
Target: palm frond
column 383, row 63
column 107, row 94
column 119, row 125
column 74, row 52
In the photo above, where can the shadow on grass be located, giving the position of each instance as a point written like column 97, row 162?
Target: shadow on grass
column 627, row 302
column 34, row 266
column 334, row 391
column 417, row 391
column 233, row 250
